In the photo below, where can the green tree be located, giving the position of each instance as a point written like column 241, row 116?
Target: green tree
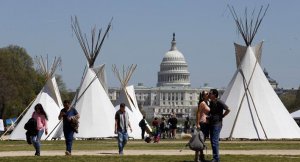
column 65, row 94
column 288, row 99
column 19, row 82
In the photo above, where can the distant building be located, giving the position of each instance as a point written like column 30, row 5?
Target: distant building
column 273, row 82
column 173, row 93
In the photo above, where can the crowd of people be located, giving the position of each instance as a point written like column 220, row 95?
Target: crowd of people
column 210, row 113
column 209, row 116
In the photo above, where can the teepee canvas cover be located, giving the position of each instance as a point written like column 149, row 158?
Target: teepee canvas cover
column 127, row 96
column 50, row 99
column 92, row 102
column 95, row 109
column 256, row 110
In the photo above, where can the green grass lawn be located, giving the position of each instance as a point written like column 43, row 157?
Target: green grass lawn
column 140, row 145
column 148, row 158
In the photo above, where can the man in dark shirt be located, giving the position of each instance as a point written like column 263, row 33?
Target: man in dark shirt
column 121, row 126
column 143, row 125
column 173, row 125
column 68, row 114
column 215, row 120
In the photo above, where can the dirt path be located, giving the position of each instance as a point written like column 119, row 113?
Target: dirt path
column 149, row 152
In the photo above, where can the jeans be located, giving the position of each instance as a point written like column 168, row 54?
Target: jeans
column 36, row 141
column 122, row 140
column 214, row 140
column 68, row 139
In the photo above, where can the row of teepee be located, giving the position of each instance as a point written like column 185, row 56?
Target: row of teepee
column 91, row 101
column 256, row 110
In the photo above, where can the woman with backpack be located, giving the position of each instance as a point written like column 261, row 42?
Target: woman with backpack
column 41, row 118
column 202, row 121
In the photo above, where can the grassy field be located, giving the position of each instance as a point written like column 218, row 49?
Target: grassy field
column 140, row 145
column 147, row 158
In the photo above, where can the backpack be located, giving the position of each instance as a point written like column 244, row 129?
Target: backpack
column 142, row 123
column 30, row 126
column 148, row 139
column 196, row 143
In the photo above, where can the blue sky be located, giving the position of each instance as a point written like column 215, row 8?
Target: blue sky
column 142, row 32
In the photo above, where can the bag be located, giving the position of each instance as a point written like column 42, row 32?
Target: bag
column 148, row 139
column 74, row 124
column 142, row 123
column 28, row 138
column 196, row 143
column 31, row 126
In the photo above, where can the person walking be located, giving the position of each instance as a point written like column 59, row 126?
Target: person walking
column 202, row 121
column 69, row 115
column 216, row 115
column 41, row 118
column 162, row 127
column 173, row 126
column 187, row 125
column 143, row 125
column 155, row 130
column 121, row 126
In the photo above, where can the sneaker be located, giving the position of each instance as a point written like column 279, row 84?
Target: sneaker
column 68, row 153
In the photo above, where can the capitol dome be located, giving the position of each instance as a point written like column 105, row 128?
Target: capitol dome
column 173, row 68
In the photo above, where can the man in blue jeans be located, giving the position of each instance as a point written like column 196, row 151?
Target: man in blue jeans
column 121, row 126
column 216, row 116
column 67, row 113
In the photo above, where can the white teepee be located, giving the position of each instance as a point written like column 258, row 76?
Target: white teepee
column 92, row 102
column 256, row 110
column 127, row 96
column 50, row 99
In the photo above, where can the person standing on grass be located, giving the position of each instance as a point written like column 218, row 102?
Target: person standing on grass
column 68, row 114
column 41, row 118
column 173, row 126
column 202, row 122
column 155, row 130
column 121, row 126
column 187, row 125
column 143, row 125
column 216, row 116
column 162, row 127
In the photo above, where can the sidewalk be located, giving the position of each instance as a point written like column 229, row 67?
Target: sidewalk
column 148, row 152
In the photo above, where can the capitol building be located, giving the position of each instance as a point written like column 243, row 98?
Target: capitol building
column 173, row 92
